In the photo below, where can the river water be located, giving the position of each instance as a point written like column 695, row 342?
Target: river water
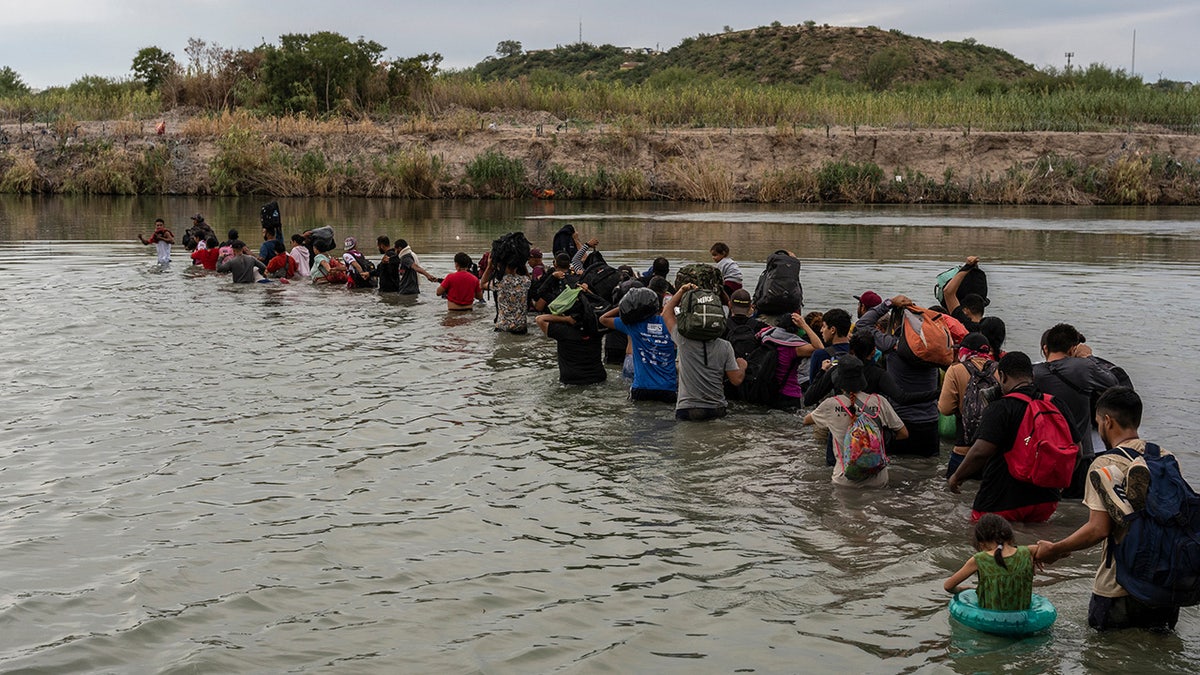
column 202, row 478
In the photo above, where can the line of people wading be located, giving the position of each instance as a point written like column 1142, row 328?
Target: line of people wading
column 888, row 381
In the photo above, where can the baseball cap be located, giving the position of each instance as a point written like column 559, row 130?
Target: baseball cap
column 535, row 253
column 350, row 242
column 869, row 299
column 739, row 302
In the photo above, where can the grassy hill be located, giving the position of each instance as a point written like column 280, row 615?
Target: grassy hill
column 800, row 55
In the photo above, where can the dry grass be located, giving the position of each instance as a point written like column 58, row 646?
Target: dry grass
column 24, row 176
column 700, row 181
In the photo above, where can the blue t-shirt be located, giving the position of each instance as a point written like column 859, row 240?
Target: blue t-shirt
column 819, row 356
column 653, row 354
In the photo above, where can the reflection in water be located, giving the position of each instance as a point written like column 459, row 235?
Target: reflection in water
column 207, row 477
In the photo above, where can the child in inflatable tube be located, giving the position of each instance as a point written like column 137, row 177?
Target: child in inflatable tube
column 1003, row 602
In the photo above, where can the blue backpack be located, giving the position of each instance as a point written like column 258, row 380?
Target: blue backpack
column 1158, row 561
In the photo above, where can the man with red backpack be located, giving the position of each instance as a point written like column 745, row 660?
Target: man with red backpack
column 1024, row 447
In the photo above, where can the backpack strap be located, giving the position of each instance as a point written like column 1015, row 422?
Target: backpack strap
column 1153, row 451
column 1064, row 379
column 1020, row 397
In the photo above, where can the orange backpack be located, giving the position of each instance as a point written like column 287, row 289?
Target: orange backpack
column 925, row 337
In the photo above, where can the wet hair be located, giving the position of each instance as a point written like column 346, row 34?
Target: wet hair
column 233, row 234
column 973, row 303
column 383, row 240
column 400, row 243
column 862, row 345
column 996, row 530
column 237, row 244
column 625, row 273
column 462, row 260
column 278, row 247
column 562, row 261
column 815, row 320
column 720, row 248
column 159, row 220
column 1123, row 405
column 839, row 320
column 660, row 267
column 212, row 242
column 1061, row 338
column 994, row 330
column 1016, row 364
column 298, row 238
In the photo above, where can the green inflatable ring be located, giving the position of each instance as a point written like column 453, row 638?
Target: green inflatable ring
column 964, row 607
column 947, row 426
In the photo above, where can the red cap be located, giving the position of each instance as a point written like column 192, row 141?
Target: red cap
column 869, row 299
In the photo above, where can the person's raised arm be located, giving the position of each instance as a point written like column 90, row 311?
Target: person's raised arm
column 813, row 337
column 950, row 292
column 607, row 318
column 867, row 322
column 668, row 311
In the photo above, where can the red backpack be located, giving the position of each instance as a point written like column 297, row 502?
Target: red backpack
column 1043, row 453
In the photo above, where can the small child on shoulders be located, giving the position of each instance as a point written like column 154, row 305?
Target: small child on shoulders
column 731, row 272
column 1005, row 570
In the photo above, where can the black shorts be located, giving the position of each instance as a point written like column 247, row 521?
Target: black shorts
column 1129, row 612
column 652, row 395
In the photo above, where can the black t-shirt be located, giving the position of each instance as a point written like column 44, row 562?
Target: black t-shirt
column 999, row 491
column 388, row 271
column 961, row 315
column 578, row 355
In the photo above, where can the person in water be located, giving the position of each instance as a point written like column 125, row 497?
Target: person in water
column 162, row 238
column 460, row 288
column 1005, row 570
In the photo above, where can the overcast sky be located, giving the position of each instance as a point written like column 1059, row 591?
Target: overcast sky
column 57, row 42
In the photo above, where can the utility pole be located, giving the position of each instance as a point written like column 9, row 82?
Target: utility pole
column 1133, row 55
column 581, row 30
column 1069, row 55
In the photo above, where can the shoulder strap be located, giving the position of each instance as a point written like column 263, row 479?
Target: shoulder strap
column 1153, row 451
column 1060, row 376
column 1019, row 396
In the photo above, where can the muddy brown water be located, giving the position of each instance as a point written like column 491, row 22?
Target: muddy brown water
column 198, row 477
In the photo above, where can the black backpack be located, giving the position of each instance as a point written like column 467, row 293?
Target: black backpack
column 511, row 249
column 779, row 290
column 743, row 335
column 367, row 278
column 601, row 279
column 269, row 215
column 759, row 385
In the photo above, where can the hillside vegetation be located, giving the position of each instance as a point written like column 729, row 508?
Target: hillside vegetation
column 773, row 55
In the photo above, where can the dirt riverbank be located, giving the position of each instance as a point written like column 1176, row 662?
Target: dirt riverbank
column 773, row 164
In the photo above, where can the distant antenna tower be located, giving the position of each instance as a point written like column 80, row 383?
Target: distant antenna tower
column 1133, row 55
column 581, row 30
column 1069, row 56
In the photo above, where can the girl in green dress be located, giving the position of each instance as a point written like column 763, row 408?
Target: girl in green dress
column 1005, row 570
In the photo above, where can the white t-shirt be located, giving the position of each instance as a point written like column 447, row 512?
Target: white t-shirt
column 831, row 416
